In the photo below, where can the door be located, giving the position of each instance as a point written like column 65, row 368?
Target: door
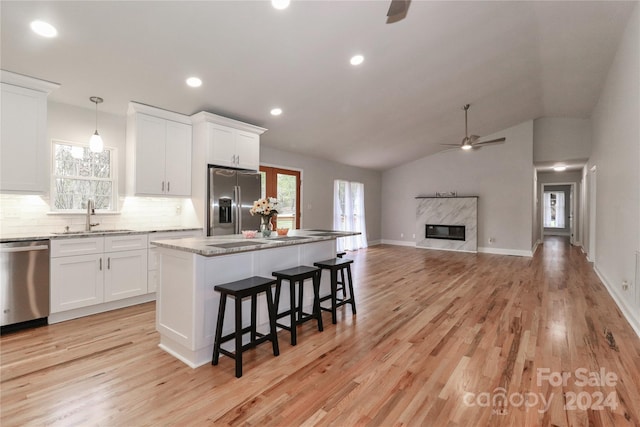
column 285, row 185
column 150, row 154
column 249, row 184
column 178, row 159
column 125, row 274
column 221, row 216
column 76, row 281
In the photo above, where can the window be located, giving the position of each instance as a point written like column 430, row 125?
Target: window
column 554, row 209
column 348, row 213
column 79, row 175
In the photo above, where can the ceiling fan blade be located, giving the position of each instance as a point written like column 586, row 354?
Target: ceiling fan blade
column 493, row 141
column 397, row 10
column 473, row 138
column 450, row 145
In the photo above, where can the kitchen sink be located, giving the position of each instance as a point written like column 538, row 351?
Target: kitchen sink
column 290, row 238
column 233, row 245
column 71, row 233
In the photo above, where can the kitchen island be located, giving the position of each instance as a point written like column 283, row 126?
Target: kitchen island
column 187, row 305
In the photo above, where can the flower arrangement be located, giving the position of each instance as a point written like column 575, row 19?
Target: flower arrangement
column 266, row 207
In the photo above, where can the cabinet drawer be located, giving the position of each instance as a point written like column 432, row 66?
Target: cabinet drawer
column 70, row 247
column 127, row 242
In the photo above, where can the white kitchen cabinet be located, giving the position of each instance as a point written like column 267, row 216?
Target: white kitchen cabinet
column 158, row 152
column 232, row 147
column 24, row 162
column 152, row 259
column 76, row 281
column 112, row 268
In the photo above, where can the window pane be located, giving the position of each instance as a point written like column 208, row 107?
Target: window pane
column 287, row 188
column 263, row 185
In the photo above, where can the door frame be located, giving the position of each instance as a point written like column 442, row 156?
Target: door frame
column 299, row 218
column 572, row 207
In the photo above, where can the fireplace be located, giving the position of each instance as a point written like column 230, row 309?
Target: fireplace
column 445, row 232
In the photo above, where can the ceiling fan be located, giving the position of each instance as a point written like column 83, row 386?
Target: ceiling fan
column 471, row 142
column 397, row 10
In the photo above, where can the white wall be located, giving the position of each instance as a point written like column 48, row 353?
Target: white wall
column 317, row 188
column 557, row 139
column 616, row 154
column 502, row 176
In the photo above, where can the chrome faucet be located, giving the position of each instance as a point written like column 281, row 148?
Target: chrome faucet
column 90, row 211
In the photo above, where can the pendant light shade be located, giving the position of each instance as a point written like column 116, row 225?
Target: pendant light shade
column 95, row 143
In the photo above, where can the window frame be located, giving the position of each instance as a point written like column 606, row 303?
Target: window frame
column 114, row 178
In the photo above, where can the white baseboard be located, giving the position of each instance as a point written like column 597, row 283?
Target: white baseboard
column 535, row 247
column 398, row 242
column 501, row 251
column 444, row 249
column 620, row 302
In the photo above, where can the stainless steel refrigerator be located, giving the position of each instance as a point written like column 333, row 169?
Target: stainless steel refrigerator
column 231, row 195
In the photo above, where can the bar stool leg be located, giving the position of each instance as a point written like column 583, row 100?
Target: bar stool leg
column 300, row 298
column 254, row 303
column 292, row 300
column 218, row 336
column 344, row 291
column 351, row 294
column 316, row 300
column 334, row 295
column 272, row 323
column 238, row 354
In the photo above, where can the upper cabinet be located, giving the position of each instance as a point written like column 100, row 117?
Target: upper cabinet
column 158, row 152
column 227, row 142
column 24, row 166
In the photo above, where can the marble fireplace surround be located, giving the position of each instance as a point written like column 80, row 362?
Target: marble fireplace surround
column 448, row 211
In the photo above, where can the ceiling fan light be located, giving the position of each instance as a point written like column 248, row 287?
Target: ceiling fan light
column 466, row 147
column 356, row 60
column 44, row 29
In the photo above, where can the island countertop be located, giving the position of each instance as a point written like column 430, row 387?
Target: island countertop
column 228, row 244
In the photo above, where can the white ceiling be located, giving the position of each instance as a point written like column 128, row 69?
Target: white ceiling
column 513, row 61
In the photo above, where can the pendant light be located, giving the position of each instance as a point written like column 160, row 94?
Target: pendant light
column 95, row 143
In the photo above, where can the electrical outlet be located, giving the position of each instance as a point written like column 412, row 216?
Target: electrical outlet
column 414, row 236
column 625, row 285
column 492, row 240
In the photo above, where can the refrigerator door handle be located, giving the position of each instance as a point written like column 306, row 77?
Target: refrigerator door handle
column 238, row 209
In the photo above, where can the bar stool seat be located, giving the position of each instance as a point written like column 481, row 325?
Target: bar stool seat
column 295, row 313
column 240, row 289
column 335, row 266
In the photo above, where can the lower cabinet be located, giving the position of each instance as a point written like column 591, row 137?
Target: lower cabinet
column 106, row 273
column 152, row 273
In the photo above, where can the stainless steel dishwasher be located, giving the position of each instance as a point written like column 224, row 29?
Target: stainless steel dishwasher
column 24, row 282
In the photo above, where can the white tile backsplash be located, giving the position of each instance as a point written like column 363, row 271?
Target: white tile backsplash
column 24, row 213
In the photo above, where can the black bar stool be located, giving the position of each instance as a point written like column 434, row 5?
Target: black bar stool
column 296, row 315
column 239, row 290
column 336, row 265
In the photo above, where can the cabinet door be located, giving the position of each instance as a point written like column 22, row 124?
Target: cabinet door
column 125, row 274
column 23, row 164
column 150, row 155
column 178, row 159
column 76, row 281
column 222, row 146
column 248, row 150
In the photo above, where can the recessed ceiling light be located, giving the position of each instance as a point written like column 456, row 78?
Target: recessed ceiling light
column 280, row 4
column 357, row 60
column 44, row 29
column 276, row 111
column 194, row 82
column 560, row 168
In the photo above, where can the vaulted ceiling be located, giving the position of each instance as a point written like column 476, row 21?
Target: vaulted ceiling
column 512, row 61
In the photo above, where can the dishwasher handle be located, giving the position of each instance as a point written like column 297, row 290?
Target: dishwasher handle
column 24, row 248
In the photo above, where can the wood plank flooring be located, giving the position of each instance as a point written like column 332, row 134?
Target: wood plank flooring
column 440, row 339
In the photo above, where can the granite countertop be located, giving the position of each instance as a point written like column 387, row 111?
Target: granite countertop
column 13, row 237
column 230, row 244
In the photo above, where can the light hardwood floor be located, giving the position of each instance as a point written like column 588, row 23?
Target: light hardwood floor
column 436, row 336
